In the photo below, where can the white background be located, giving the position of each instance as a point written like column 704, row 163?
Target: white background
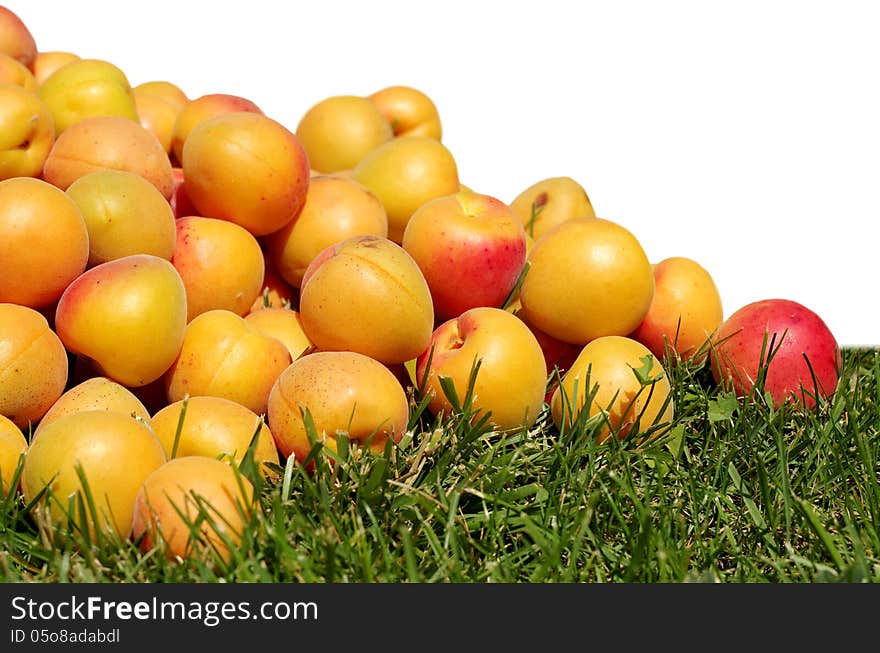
column 744, row 135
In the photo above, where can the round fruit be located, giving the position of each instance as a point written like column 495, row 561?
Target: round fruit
column 202, row 108
column 789, row 342
column 47, row 63
column 114, row 452
column 512, row 378
column 471, row 249
column 341, row 391
column 196, row 506
column 16, row 39
column 96, row 393
column 409, row 111
column 685, row 310
column 336, row 208
column 33, row 365
column 128, row 315
column 108, row 143
column 86, row 88
column 246, row 168
column 623, row 381
column 339, row 131
column 205, row 247
column 213, row 427
column 404, row 173
column 285, row 325
column 366, row 294
column 550, row 202
column 224, row 356
column 27, row 133
column 44, row 242
column 588, row 277
column 124, row 214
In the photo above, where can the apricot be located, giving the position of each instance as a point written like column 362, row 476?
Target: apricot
column 47, row 63
column 224, row 356
column 339, row 131
column 16, row 39
column 246, row 168
column 26, row 133
column 12, row 446
column 213, row 427
column 156, row 116
column 512, row 378
column 342, row 392
column 623, row 381
column 549, row 202
column 124, row 214
column 608, row 283
column 195, row 506
column 85, row 88
column 204, row 249
column 791, row 343
column 404, row 173
column 409, row 111
column 366, row 294
column 471, row 249
column 14, row 72
column 685, row 311
column 128, row 315
column 335, row 209
column 283, row 324
column 44, row 242
column 159, row 104
column 168, row 92
column 204, row 107
column 95, row 393
column 108, row 142
column 115, row 453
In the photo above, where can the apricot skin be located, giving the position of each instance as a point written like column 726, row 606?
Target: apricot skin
column 44, row 242
column 128, row 315
column 342, row 391
column 246, row 168
column 215, row 427
column 33, row 365
column 366, row 294
column 224, row 356
column 609, row 362
column 108, row 142
column 608, row 283
column 116, row 453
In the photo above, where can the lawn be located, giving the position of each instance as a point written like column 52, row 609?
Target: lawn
column 734, row 492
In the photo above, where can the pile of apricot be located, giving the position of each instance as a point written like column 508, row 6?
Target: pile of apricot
column 183, row 277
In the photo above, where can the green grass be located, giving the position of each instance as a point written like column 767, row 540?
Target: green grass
column 737, row 492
